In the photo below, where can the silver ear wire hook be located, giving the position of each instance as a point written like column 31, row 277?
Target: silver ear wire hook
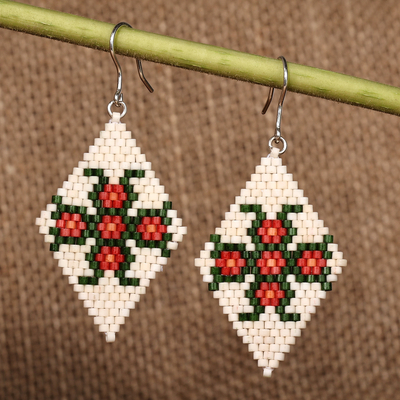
column 118, row 97
column 277, row 138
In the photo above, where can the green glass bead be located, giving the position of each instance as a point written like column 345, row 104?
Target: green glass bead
column 119, row 274
column 215, row 238
column 167, row 237
column 256, row 223
column 249, row 294
column 136, row 235
column 55, row 215
column 133, row 196
column 128, row 189
column 246, row 270
column 162, row 213
column 213, row 286
column 83, row 280
column 296, row 317
column 287, row 224
column 167, row 221
column 123, row 181
column 219, row 246
column 296, row 254
column 286, row 270
column 73, row 209
column 286, row 254
column 125, row 250
column 285, row 302
column 311, row 278
column 130, row 258
column 321, row 278
column 287, row 208
column 301, row 247
column 279, row 309
column 81, row 241
column 292, row 231
column 245, row 208
column 326, row 270
column 286, row 317
column 243, row 317
column 151, row 244
column 259, row 309
column 281, row 247
column 95, row 234
column 162, row 244
column 124, row 266
column 254, row 285
column 54, row 231
column 271, row 247
column 254, row 270
column 141, row 243
column 286, row 239
column 230, row 247
column 285, row 286
column 90, row 257
column 69, row 240
column 101, row 211
column 256, row 239
column 300, row 278
column 269, row 278
column 54, row 247
column 215, row 271
column 87, row 172
column 215, row 254
column 62, row 208
column 241, row 247
column 328, row 238
column 166, row 253
column 290, row 262
column 251, row 231
column 327, row 255
column 312, row 246
column 251, row 262
column 281, row 216
column 254, row 317
column 128, row 173
column 290, row 294
column 229, row 278
column 82, row 210
column 100, row 242
column 59, row 240
column 256, row 208
column 260, row 247
column 139, row 173
column 326, row 286
column 256, row 255
column 99, row 273
column 259, row 278
column 122, row 280
column 125, row 235
column 56, row 199
column 280, row 278
column 167, row 205
column 240, row 278
column 261, row 216
column 134, row 281
column 103, row 180
column 322, row 246
column 297, row 208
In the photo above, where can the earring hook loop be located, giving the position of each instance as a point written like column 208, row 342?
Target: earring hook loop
column 118, row 97
column 277, row 138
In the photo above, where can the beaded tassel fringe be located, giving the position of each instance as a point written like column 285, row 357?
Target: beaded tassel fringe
column 111, row 227
column 270, row 263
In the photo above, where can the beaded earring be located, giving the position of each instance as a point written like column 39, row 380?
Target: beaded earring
column 111, row 226
column 272, row 260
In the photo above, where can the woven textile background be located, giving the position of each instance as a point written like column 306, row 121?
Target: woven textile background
column 204, row 136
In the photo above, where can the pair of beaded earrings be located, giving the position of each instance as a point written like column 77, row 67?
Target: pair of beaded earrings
column 111, row 227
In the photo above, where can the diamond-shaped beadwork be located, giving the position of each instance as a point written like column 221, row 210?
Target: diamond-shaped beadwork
column 111, row 227
column 270, row 263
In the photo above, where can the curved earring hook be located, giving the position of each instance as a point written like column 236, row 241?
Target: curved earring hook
column 118, row 97
column 277, row 138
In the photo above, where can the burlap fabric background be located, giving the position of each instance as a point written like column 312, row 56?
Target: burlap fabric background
column 204, row 136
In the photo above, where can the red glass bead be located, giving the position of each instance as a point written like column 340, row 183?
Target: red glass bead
column 106, row 250
column 156, row 220
column 115, row 235
column 117, row 188
column 162, row 228
column 99, row 257
column 266, row 255
column 104, row 196
column 60, row 223
column 321, row 262
column 65, row 232
column 301, row 262
column 107, row 203
column 276, row 270
column 141, row 228
column 241, row 262
column 225, row 255
column 106, row 235
column 66, row 216
column 116, row 219
column 225, row 271
column 76, row 217
column 265, row 271
column 81, row 225
column 103, row 265
column 146, row 220
column 280, row 294
column 307, row 254
column 259, row 294
column 107, row 188
column 267, row 224
column 114, row 250
column 315, row 270
column 265, row 302
column 146, row 236
column 274, row 302
column 261, row 263
column 75, row 232
column 306, row 270
column 117, row 204
column 274, row 286
column 119, row 258
column 261, row 231
column 264, row 286
column 276, row 239
column 282, row 231
column 317, row 254
column 123, row 196
column 266, row 239
column 281, row 262
column 101, row 226
column 276, row 255
column 277, row 223
column 113, row 266
column 219, row 262
column 121, row 227
column 107, row 219
column 235, row 271
column 156, row 236
column 235, row 255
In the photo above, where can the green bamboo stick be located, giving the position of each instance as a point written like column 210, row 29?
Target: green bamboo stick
column 199, row 57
